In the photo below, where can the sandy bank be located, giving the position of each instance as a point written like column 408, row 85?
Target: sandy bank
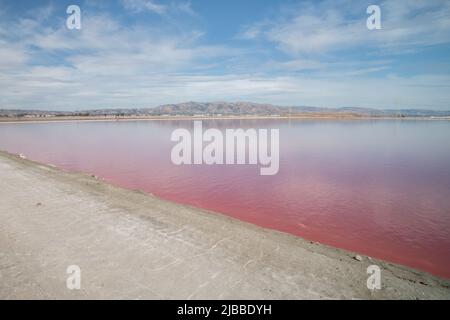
column 133, row 245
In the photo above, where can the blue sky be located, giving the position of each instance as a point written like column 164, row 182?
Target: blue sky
column 143, row 53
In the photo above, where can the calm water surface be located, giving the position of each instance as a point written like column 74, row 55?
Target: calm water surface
column 381, row 188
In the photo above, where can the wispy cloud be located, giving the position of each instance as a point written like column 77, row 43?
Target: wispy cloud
column 330, row 26
column 139, row 6
column 309, row 55
column 144, row 5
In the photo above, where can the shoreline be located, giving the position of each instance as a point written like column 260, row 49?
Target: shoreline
column 133, row 245
column 7, row 120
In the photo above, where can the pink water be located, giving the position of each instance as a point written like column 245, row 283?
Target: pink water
column 380, row 188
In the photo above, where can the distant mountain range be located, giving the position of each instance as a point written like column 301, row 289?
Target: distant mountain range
column 227, row 109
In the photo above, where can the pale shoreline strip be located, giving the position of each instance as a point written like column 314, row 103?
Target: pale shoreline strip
column 343, row 117
column 131, row 245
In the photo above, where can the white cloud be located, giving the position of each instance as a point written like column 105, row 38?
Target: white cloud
column 11, row 57
column 138, row 6
column 66, row 88
column 144, row 5
column 185, row 7
column 108, row 65
column 297, row 65
column 331, row 26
